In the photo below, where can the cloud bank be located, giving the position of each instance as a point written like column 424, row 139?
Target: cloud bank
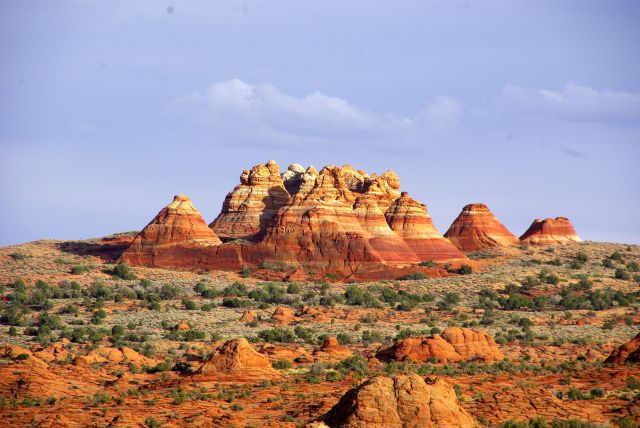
column 264, row 109
column 263, row 114
column 574, row 102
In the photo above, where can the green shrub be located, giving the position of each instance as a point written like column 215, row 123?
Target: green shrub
column 413, row 276
column 189, row 305
column 293, row 288
column 282, row 365
column 79, row 269
column 123, row 271
column 277, row 335
column 621, row 274
column 245, row 272
column 18, row 256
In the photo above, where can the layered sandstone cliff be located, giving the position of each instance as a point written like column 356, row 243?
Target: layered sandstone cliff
column 476, row 228
column 550, row 231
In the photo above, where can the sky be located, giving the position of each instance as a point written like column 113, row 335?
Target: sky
column 109, row 108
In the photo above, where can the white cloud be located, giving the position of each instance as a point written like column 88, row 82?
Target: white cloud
column 573, row 102
column 264, row 109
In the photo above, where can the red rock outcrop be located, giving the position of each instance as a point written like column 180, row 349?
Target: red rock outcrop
column 411, row 221
column 405, row 400
column 550, row 232
column 237, row 358
column 331, row 348
column 248, row 316
column 476, row 228
column 283, row 315
column 251, row 206
column 177, row 237
column 454, row 344
column 339, row 220
column 627, row 353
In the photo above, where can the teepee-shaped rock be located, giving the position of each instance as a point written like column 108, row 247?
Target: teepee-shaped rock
column 550, row 231
column 411, row 221
column 476, row 228
column 177, row 237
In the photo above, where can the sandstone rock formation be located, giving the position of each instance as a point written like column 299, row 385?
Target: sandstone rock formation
column 627, row 353
column 248, row 316
column 339, row 220
column 411, row 221
column 249, row 208
column 183, row 326
column 403, row 401
column 283, row 315
column 550, row 232
column 476, row 228
column 237, row 358
column 454, row 344
column 331, row 348
column 177, row 237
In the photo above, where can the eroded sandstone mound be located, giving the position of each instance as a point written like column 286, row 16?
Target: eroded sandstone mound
column 627, row 353
column 454, row 344
column 403, row 401
column 237, row 358
column 476, row 228
column 550, row 231
column 177, row 237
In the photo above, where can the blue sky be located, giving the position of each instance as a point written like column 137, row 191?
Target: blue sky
column 108, row 109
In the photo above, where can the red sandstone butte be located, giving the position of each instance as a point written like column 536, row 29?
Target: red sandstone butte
column 550, row 232
column 476, row 228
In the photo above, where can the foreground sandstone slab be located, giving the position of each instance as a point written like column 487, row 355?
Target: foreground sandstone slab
column 403, row 401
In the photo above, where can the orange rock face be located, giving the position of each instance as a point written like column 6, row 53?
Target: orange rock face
column 550, row 232
column 177, row 237
column 627, row 353
column 476, row 228
column 405, row 400
column 410, row 220
column 454, row 344
column 251, row 206
column 238, row 358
